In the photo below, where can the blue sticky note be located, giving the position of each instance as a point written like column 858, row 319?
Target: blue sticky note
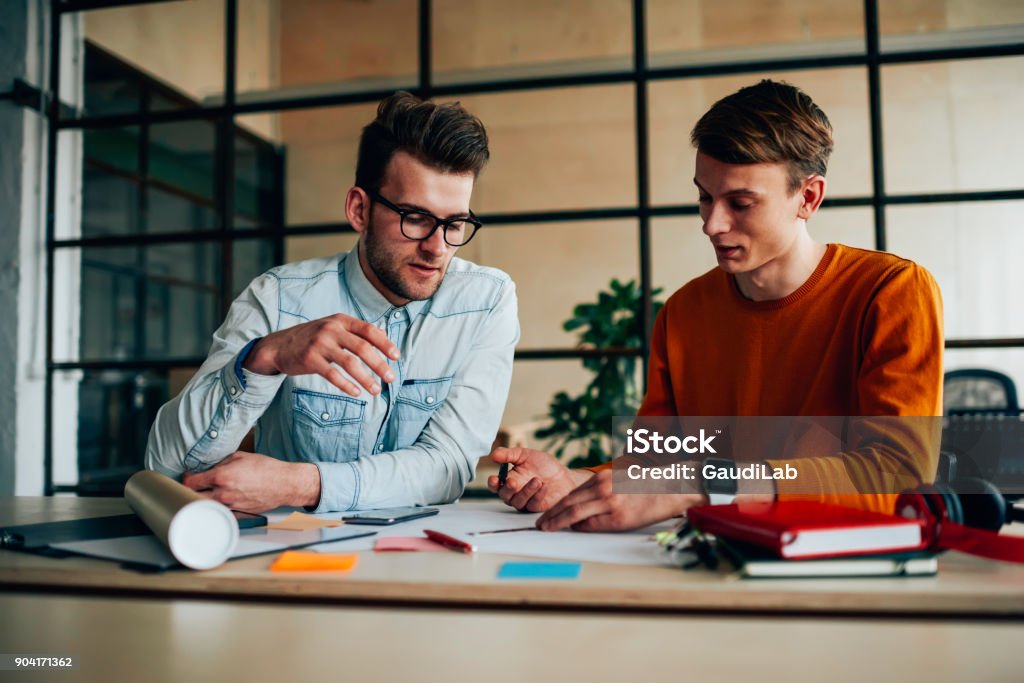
column 539, row 570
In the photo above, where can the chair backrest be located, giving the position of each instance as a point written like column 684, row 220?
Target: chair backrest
column 978, row 390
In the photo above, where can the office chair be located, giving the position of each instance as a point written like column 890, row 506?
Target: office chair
column 975, row 390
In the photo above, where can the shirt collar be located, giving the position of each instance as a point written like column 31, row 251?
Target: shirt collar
column 370, row 304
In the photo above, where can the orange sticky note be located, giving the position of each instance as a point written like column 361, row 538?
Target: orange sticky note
column 310, row 561
column 298, row 521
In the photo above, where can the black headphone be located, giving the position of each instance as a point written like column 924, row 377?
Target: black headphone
column 969, row 501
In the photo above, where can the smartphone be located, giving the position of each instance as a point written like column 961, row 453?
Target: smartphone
column 248, row 520
column 389, row 516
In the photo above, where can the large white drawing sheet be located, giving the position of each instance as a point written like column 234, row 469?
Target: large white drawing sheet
column 462, row 519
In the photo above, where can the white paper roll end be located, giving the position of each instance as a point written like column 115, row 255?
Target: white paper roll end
column 203, row 534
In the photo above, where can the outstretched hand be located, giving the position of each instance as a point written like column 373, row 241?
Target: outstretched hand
column 594, row 506
column 536, row 480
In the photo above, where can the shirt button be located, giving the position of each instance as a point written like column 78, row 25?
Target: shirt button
column 233, row 391
column 213, row 433
column 325, row 416
column 396, row 315
column 429, row 399
column 380, row 447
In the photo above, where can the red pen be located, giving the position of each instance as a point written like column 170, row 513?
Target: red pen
column 450, row 542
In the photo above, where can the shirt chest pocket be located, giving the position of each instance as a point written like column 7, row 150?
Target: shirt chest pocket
column 417, row 402
column 326, row 427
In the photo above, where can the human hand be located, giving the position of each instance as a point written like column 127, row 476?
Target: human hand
column 536, row 482
column 314, row 348
column 253, row 483
column 593, row 506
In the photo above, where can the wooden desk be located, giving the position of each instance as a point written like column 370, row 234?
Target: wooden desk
column 442, row 616
column 965, row 588
column 144, row 639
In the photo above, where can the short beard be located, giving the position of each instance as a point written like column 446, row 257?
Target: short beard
column 377, row 256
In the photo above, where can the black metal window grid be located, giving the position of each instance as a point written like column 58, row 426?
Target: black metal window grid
column 639, row 76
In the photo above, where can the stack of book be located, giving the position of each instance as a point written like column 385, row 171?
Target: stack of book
column 806, row 539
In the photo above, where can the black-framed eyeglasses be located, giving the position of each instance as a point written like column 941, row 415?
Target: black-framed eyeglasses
column 420, row 225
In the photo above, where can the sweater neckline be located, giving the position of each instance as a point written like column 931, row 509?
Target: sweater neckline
column 800, row 292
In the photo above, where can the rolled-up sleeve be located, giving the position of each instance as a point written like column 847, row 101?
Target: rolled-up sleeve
column 209, row 418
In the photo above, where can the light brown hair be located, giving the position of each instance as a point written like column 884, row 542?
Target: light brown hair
column 770, row 122
column 443, row 136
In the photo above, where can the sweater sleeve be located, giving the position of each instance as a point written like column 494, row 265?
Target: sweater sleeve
column 899, row 394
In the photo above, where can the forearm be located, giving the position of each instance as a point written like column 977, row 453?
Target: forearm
column 420, row 475
column 209, row 418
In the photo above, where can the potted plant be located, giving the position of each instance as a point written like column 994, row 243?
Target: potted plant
column 581, row 425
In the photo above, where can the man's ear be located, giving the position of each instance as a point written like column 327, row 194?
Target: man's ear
column 357, row 208
column 812, row 192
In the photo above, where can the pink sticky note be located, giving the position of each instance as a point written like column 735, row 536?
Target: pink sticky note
column 407, row 544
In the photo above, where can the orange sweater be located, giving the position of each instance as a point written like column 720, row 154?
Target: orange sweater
column 862, row 337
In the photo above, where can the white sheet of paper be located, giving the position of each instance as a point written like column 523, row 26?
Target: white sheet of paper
column 460, row 519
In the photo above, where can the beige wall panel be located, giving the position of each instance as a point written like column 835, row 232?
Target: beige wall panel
column 328, row 41
column 954, row 125
column 679, row 30
column 534, row 383
column 322, row 146
column 926, row 16
column 557, row 149
column 556, row 266
column 488, row 34
column 973, row 250
column 154, row 37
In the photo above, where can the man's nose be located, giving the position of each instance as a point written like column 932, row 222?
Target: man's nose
column 435, row 245
column 716, row 221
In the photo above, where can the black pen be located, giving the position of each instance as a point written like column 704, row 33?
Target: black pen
column 502, row 474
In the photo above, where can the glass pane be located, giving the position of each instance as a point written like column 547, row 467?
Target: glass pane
column 178, row 43
column 940, row 24
column 953, row 125
column 676, row 106
column 104, row 416
column 571, row 148
column 171, row 210
column 973, row 250
column 110, row 203
column 181, row 158
column 108, row 89
column 318, row 246
column 528, row 252
column 320, row 148
column 304, row 47
column 115, row 149
column 476, row 40
column 252, row 258
column 259, row 166
column 709, row 31
column 125, row 303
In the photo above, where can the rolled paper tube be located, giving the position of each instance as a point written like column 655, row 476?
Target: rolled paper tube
column 200, row 533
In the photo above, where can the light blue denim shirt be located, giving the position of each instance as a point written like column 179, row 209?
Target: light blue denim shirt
column 416, row 443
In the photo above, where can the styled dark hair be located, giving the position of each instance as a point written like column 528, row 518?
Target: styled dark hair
column 770, row 122
column 443, row 136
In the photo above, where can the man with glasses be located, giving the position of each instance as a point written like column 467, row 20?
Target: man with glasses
column 375, row 378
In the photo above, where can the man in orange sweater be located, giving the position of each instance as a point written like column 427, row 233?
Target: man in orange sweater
column 783, row 326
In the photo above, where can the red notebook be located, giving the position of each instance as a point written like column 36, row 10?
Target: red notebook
column 799, row 529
